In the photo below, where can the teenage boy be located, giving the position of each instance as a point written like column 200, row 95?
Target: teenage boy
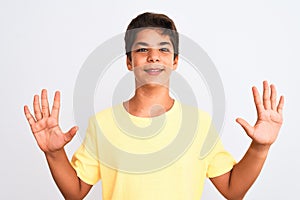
column 152, row 54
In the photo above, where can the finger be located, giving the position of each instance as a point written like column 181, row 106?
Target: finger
column 257, row 100
column 56, row 105
column 37, row 108
column 280, row 105
column 246, row 126
column 29, row 116
column 266, row 96
column 273, row 97
column 45, row 104
column 70, row 134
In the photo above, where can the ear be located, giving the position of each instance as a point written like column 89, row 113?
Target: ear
column 175, row 62
column 129, row 64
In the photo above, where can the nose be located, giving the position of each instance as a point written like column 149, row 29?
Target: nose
column 153, row 55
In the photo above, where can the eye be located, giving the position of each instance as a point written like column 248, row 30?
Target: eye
column 142, row 50
column 164, row 49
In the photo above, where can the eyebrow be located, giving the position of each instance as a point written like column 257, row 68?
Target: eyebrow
column 146, row 44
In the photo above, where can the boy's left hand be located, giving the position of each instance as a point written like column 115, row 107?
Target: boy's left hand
column 269, row 116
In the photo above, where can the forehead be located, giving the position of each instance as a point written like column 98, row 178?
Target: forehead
column 151, row 36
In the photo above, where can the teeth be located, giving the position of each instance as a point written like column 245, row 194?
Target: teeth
column 153, row 70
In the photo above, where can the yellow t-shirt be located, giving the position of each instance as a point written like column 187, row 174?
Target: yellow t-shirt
column 164, row 157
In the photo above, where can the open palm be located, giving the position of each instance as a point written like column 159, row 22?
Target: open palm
column 269, row 116
column 44, row 125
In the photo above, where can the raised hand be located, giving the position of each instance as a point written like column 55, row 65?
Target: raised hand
column 44, row 125
column 269, row 116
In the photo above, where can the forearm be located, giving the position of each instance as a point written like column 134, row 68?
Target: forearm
column 247, row 170
column 235, row 184
column 64, row 175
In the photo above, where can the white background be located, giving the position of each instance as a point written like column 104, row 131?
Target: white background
column 43, row 44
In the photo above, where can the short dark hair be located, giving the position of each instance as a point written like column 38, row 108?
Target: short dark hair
column 151, row 20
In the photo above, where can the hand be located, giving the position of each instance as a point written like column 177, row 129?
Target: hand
column 269, row 116
column 44, row 125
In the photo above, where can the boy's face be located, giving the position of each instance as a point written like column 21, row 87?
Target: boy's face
column 152, row 58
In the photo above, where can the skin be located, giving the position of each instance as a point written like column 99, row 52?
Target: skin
column 151, row 48
column 51, row 140
column 151, row 98
column 235, row 184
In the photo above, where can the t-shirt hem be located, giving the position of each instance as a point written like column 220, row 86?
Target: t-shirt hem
column 82, row 177
column 221, row 172
column 86, row 180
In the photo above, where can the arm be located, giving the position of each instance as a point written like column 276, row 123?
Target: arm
column 65, row 176
column 51, row 140
column 235, row 184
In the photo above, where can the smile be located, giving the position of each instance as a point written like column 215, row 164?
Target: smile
column 154, row 71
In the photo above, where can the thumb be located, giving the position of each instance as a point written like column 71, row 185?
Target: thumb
column 70, row 134
column 246, row 126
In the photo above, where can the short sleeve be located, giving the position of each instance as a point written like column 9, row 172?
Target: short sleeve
column 220, row 161
column 84, row 160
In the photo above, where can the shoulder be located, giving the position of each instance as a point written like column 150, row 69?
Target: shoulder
column 195, row 119
column 108, row 114
column 192, row 111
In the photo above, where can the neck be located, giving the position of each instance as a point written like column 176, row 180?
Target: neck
column 149, row 101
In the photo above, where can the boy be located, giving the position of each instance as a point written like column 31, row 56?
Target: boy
column 152, row 54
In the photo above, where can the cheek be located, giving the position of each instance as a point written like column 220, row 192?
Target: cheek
column 169, row 60
column 168, row 57
column 137, row 59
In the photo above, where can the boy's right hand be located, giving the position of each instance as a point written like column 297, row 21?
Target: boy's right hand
column 44, row 125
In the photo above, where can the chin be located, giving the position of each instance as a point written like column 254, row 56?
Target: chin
column 153, row 84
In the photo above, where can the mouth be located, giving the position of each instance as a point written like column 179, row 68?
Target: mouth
column 154, row 70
